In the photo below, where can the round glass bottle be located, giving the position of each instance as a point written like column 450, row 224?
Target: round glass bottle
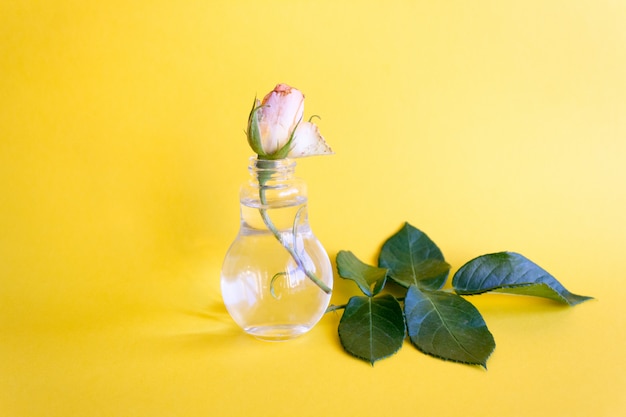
column 276, row 277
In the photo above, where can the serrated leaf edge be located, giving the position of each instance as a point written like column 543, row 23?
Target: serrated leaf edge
column 447, row 359
column 372, row 362
column 502, row 288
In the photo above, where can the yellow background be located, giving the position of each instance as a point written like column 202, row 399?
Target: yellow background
column 490, row 125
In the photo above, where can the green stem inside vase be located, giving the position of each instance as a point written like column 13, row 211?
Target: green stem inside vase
column 270, row 225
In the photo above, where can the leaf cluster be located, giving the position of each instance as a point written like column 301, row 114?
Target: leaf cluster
column 438, row 322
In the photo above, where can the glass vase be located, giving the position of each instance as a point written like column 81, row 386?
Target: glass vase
column 276, row 277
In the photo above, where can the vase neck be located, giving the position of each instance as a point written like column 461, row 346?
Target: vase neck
column 269, row 170
column 272, row 183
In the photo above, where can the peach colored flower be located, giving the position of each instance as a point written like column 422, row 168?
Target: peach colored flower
column 276, row 129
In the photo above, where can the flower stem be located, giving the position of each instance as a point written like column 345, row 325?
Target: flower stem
column 270, row 225
column 333, row 307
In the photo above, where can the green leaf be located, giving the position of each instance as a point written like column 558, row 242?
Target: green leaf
column 446, row 326
column 370, row 279
column 512, row 273
column 372, row 328
column 413, row 259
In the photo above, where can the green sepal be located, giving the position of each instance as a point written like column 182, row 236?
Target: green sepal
column 254, row 133
column 284, row 151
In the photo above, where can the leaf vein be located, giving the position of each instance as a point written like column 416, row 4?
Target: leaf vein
column 456, row 340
